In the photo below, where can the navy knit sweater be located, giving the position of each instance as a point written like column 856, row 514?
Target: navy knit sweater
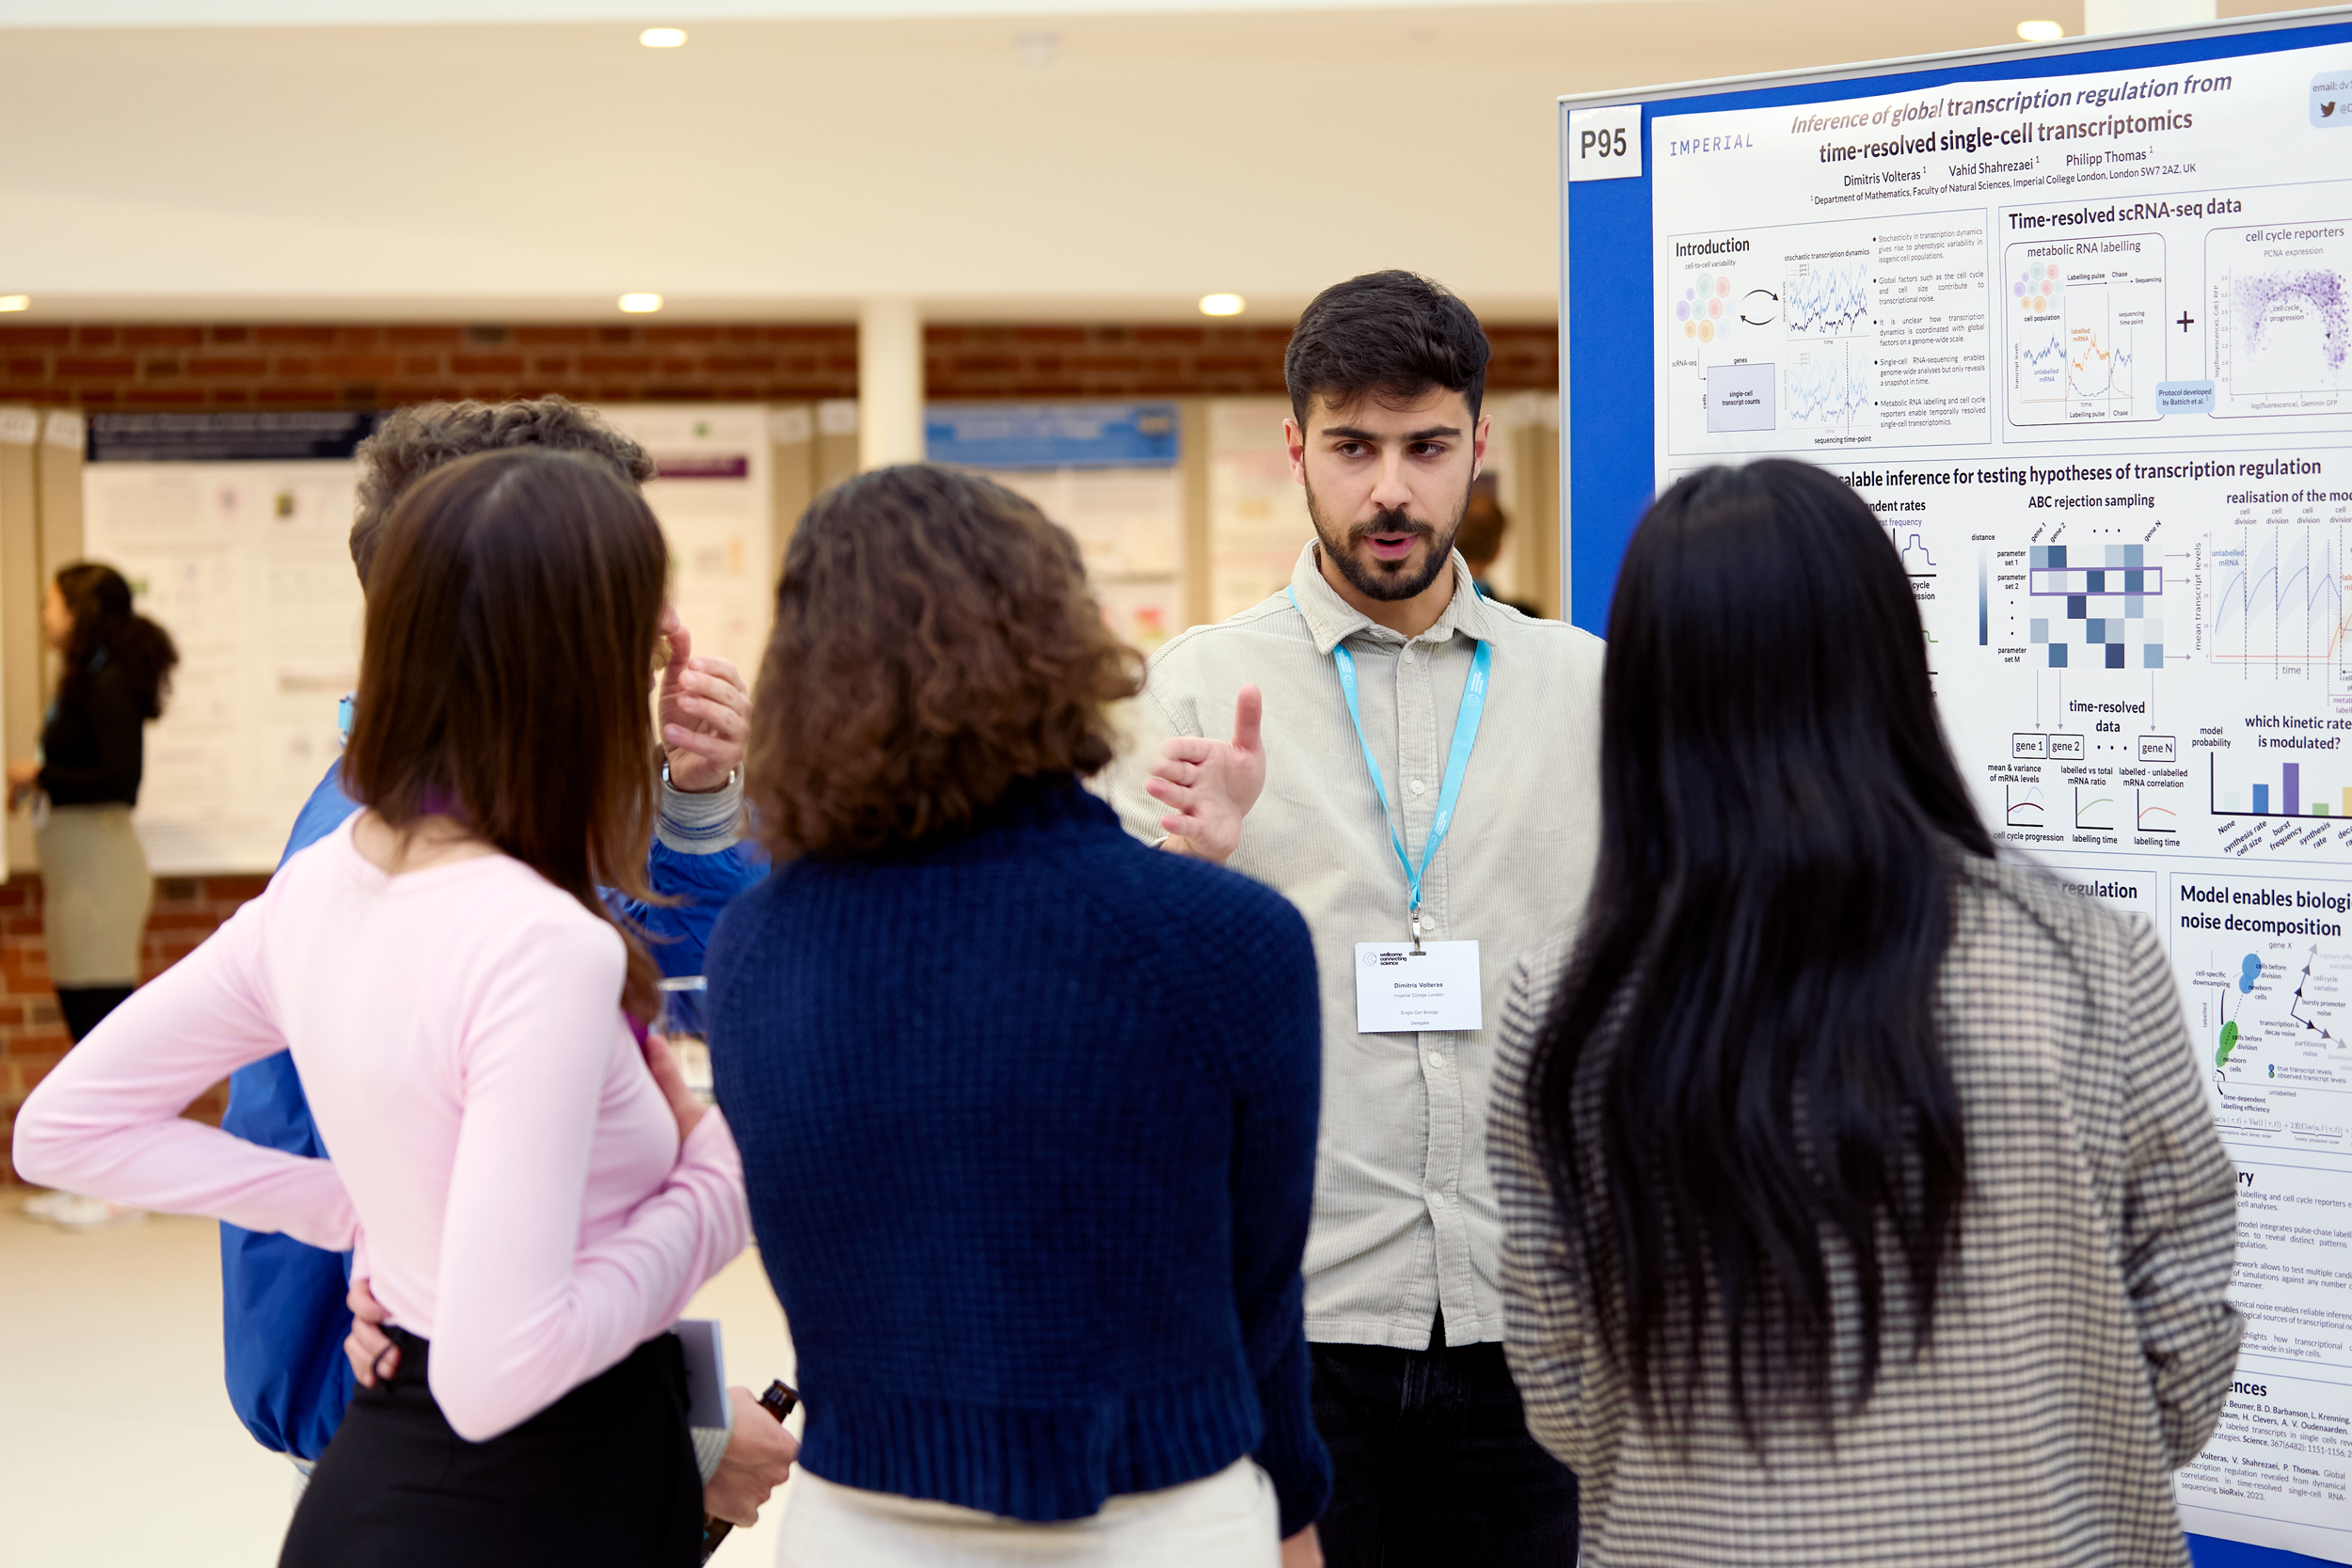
column 1029, row 1118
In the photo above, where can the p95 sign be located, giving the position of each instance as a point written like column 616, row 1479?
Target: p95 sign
column 1605, row 144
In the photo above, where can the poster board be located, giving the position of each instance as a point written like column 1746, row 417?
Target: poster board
column 247, row 565
column 1258, row 519
column 715, row 498
column 1109, row 472
column 234, row 532
column 2074, row 321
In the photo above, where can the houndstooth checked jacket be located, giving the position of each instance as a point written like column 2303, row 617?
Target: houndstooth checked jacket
column 2082, row 1348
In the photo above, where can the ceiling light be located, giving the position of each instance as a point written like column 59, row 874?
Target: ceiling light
column 662, row 38
column 641, row 305
column 16, row 302
column 1222, row 305
column 2040, row 31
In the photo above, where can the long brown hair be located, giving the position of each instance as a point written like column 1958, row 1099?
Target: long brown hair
column 935, row 641
column 513, row 612
column 108, row 630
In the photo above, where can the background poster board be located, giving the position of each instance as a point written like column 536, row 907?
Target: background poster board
column 1258, row 520
column 715, row 499
column 2074, row 321
column 247, row 564
column 1111, row 473
column 235, row 531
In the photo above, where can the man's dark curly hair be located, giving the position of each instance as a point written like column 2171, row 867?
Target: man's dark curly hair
column 935, row 641
column 415, row 440
column 1395, row 336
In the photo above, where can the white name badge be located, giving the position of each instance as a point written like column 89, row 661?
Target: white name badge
column 1398, row 990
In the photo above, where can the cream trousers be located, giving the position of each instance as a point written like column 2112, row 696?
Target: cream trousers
column 1227, row 1520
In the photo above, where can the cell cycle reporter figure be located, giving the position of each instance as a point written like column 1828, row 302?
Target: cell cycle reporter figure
column 1028, row 1112
column 536, row 1193
column 1861, row 1198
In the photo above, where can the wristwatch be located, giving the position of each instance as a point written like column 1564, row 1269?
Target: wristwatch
column 734, row 776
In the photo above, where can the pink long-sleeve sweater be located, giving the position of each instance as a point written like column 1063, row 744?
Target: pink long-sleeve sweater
column 525, row 1201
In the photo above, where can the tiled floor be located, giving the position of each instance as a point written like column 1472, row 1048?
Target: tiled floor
column 118, row 1449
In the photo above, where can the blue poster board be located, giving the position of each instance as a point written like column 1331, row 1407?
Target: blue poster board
column 1052, row 435
column 1852, row 267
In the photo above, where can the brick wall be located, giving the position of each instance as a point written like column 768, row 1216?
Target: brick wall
column 33, row 1037
column 104, row 366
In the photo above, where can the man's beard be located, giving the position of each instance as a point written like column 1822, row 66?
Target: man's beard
column 1388, row 581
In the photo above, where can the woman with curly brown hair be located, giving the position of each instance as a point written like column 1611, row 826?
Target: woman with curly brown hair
column 1027, row 1110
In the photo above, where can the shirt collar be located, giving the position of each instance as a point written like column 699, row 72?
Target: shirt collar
column 1331, row 620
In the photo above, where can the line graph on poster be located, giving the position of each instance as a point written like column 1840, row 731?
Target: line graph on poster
column 2085, row 330
column 2278, row 594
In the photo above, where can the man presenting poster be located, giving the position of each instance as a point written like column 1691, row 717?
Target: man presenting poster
column 1424, row 788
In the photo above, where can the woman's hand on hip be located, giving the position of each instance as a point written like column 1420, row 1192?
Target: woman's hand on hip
column 373, row 1355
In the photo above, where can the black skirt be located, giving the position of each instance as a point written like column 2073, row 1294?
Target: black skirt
column 605, row 1475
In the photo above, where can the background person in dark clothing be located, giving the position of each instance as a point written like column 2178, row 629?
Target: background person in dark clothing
column 95, row 886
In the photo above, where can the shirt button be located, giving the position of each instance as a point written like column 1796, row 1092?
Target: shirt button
column 1420, row 788
column 1437, row 1059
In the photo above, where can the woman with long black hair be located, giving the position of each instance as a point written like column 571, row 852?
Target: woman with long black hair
column 95, row 886
column 1861, row 1199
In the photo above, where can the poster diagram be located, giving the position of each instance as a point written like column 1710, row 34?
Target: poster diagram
column 2085, row 330
column 2135, row 583
column 2278, row 307
column 1829, row 387
column 2278, row 595
column 1827, row 298
column 1826, row 335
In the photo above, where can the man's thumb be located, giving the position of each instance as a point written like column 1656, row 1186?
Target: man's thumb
column 1249, row 709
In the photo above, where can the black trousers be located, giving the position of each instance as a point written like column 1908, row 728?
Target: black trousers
column 1433, row 1465
column 84, row 1006
column 604, row 1476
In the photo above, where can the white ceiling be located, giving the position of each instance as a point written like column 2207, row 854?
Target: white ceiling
column 1116, row 170
column 305, row 13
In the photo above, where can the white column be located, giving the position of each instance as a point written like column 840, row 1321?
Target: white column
column 889, row 383
column 2124, row 16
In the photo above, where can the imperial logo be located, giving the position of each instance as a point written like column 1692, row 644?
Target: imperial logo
column 1690, row 147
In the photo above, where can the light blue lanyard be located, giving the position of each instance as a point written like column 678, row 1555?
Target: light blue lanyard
column 1456, row 762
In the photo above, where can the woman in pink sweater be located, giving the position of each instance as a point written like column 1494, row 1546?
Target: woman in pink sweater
column 534, row 1194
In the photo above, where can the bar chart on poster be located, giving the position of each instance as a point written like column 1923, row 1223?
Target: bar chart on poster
column 2074, row 321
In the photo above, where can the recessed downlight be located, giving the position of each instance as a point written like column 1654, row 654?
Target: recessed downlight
column 641, row 305
column 16, row 302
column 662, row 38
column 1223, row 305
column 2040, row 31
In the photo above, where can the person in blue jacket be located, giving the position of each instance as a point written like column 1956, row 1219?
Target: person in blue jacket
column 284, row 1304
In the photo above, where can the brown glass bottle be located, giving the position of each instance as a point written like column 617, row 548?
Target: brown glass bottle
column 778, row 1402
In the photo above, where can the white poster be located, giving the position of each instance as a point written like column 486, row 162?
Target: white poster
column 1258, row 519
column 2082, row 343
column 248, row 566
column 1130, row 527
column 715, row 502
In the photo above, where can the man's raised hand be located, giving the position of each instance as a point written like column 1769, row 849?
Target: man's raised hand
column 705, row 714
column 1209, row 785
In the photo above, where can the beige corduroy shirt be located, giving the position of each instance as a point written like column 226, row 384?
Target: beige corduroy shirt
column 1405, row 1222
